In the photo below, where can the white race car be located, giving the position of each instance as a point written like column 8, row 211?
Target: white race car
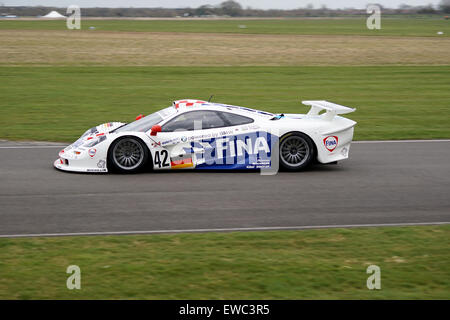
column 196, row 134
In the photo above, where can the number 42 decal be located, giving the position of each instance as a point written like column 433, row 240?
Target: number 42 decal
column 164, row 155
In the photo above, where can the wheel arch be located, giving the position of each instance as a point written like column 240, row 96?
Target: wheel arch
column 149, row 163
column 306, row 134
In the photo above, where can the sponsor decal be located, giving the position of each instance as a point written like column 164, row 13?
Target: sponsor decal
column 95, row 170
column 250, row 150
column 201, row 137
column 212, row 135
column 157, row 144
column 330, row 143
column 181, row 163
column 92, row 152
column 101, row 164
column 226, row 132
column 170, row 141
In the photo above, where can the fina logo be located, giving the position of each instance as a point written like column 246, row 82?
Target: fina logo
column 92, row 152
column 240, row 150
column 330, row 143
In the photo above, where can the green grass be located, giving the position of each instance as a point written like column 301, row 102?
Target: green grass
column 353, row 26
column 60, row 103
column 314, row 264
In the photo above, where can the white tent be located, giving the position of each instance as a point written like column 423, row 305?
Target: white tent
column 53, row 15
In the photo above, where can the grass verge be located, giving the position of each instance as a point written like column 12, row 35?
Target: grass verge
column 313, row 264
column 421, row 26
column 60, row 103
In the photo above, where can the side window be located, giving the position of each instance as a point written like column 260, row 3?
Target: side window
column 212, row 119
column 235, row 119
column 194, row 120
column 179, row 123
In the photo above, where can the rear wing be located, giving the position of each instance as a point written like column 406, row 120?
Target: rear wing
column 331, row 109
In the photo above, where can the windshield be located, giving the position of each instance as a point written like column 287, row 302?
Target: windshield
column 146, row 123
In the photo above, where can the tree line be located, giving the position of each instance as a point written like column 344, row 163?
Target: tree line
column 228, row 8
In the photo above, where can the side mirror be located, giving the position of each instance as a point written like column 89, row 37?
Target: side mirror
column 155, row 129
column 139, row 117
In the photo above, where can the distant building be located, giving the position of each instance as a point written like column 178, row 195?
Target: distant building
column 6, row 15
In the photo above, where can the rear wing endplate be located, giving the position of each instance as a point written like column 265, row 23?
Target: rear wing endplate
column 331, row 109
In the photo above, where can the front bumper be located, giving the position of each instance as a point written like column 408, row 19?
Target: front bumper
column 82, row 160
column 62, row 164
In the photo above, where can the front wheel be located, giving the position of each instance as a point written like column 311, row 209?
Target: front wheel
column 296, row 151
column 128, row 155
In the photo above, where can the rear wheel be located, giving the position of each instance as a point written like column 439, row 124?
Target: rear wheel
column 128, row 155
column 296, row 151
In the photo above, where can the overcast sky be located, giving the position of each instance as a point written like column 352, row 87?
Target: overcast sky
column 262, row 4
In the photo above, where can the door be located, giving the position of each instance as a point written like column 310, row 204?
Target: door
column 209, row 139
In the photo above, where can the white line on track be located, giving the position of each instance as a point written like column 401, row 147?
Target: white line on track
column 106, row 233
column 354, row 142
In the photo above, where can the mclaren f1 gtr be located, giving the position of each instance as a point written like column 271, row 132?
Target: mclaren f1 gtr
column 196, row 134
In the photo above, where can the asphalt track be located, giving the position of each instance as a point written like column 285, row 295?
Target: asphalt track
column 386, row 183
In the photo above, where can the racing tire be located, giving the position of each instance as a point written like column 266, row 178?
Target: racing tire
column 127, row 154
column 297, row 151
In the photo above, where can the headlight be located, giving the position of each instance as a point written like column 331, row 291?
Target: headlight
column 95, row 141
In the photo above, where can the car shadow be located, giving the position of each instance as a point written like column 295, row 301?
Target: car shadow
column 316, row 167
